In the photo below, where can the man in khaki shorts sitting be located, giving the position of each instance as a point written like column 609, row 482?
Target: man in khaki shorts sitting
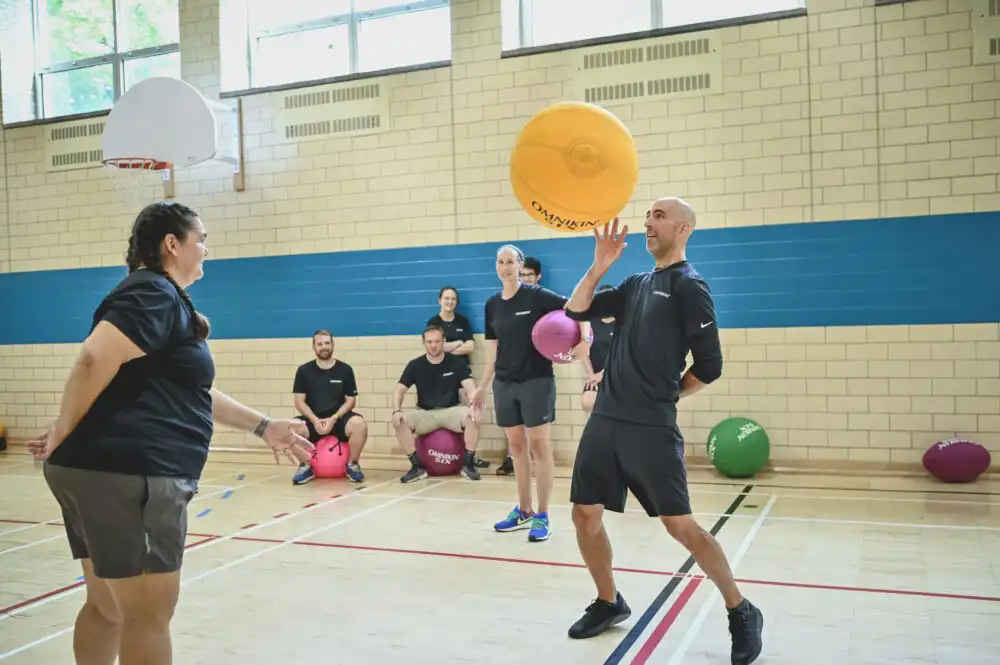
column 438, row 377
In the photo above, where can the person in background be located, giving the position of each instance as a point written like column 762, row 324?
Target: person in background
column 530, row 273
column 326, row 393
column 457, row 329
column 439, row 378
column 457, row 336
column 601, row 332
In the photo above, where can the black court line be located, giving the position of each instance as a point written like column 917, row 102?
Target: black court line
column 671, row 586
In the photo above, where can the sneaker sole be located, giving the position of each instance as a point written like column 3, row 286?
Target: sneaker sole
column 518, row 527
column 537, row 539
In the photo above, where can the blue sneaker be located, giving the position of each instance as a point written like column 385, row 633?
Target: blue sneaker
column 304, row 475
column 540, row 528
column 514, row 521
column 355, row 473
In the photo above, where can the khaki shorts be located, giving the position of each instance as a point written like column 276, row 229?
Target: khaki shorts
column 424, row 422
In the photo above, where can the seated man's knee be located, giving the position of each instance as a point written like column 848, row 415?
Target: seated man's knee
column 685, row 530
column 356, row 426
column 587, row 519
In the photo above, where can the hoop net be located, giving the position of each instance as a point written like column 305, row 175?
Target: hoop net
column 134, row 177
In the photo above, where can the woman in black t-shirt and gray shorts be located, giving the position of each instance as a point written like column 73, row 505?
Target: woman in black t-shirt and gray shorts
column 125, row 453
column 524, row 388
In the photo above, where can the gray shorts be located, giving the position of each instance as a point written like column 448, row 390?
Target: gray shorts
column 531, row 403
column 125, row 524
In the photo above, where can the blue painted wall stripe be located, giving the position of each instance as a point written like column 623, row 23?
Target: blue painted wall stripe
column 918, row 270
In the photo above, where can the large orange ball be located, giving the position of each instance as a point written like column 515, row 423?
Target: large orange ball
column 574, row 166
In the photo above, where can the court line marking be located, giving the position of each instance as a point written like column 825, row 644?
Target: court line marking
column 773, row 518
column 705, row 487
column 714, row 595
column 249, row 557
column 44, row 599
column 618, row 569
column 631, row 639
column 199, row 497
column 57, row 521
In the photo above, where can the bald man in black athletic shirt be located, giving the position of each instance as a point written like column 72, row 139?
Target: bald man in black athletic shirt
column 631, row 441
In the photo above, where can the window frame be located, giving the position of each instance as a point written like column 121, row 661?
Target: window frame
column 656, row 28
column 116, row 58
column 352, row 19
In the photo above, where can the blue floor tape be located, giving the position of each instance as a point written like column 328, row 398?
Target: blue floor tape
column 227, row 494
column 204, row 512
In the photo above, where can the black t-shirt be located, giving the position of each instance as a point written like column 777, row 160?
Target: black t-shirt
column 155, row 417
column 326, row 390
column 659, row 317
column 437, row 383
column 457, row 330
column 603, row 334
column 510, row 322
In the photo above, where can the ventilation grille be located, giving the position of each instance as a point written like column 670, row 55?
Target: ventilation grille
column 334, row 111
column 74, row 145
column 661, row 68
column 985, row 32
column 327, row 127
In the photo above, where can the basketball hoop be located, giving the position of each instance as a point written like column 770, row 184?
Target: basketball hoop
column 130, row 175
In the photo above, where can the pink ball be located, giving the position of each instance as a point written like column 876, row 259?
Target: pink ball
column 956, row 460
column 441, row 452
column 330, row 457
column 555, row 335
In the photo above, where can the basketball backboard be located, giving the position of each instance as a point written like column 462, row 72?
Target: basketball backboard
column 163, row 123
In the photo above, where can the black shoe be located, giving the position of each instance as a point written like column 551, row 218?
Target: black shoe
column 600, row 616
column 507, row 468
column 415, row 473
column 746, row 625
column 470, row 471
column 481, row 463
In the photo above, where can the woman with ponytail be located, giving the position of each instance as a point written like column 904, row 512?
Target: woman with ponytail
column 124, row 456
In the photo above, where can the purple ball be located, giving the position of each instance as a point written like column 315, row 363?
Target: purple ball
column 956, row 460
column 555, row 335
column 441, row 452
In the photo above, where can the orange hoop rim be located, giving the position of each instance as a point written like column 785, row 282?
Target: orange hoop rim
column 138, row 163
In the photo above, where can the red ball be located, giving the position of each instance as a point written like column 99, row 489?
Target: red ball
column 956, row 460
column 330, row 457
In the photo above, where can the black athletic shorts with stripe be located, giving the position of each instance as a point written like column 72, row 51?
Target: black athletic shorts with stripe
column 615, row 456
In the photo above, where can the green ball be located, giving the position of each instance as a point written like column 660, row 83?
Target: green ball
column 738, row 447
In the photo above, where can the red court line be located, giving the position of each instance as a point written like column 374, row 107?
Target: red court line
column 668, row 619
column 639, row 571
column 69, row 587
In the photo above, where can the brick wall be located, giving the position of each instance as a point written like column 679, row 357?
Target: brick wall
column 853, row 112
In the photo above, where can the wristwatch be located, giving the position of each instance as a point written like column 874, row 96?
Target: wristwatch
column 261, row 426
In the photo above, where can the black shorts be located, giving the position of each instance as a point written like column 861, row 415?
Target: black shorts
column 531, row 403
column 125, row 524
column 339, row 428
column 615, row 456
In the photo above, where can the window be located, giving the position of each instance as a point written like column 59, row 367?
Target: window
column 528, row 23
column 268, row 43
column 86, row 53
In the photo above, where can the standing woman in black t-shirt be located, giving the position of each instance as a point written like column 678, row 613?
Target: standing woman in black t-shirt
column 524, row 388
column 125, row 453
column 457, row 329
column 602, row 332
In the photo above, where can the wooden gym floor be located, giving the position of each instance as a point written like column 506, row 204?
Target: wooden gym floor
column 848, row 571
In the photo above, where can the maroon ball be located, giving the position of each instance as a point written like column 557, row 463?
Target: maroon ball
column 441, row 452
column 956, row 460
